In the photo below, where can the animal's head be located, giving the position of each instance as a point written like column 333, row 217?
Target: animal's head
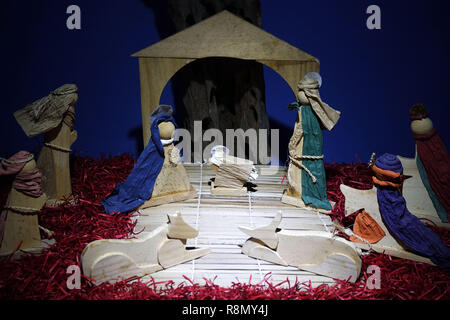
column 179, row 229
column 266, row 234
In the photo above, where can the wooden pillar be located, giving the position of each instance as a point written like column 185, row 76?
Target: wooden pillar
column 292, row 72
column 155, row 73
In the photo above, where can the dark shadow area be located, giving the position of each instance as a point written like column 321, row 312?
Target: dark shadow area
column 166, row 28
column 222, row 93
column 136, row 135
column 285, row 137
column 228, row 86
column 162, row 19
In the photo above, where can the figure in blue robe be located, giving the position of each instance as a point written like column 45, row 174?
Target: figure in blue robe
column 388, row 178
column 138, row 186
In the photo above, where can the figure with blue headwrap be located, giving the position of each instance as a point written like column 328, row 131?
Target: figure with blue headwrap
column 158, row 177
column 306, row 171
column 407, row 228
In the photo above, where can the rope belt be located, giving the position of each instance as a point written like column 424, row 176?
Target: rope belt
column 30, row 157
column 297, row 159
column 22, row 209
column 350, row 233
column 56, row 147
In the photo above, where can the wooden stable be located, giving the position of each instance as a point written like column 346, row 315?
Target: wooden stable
column 218, row 220
column 222, row 35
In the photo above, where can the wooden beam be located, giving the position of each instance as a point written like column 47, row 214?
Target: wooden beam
column 155, row 73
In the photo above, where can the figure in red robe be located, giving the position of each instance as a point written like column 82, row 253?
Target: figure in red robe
column 433, row 160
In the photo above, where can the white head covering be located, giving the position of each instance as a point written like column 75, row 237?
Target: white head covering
column 310, row 86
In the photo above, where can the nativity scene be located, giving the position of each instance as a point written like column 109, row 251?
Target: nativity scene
column 157, row 223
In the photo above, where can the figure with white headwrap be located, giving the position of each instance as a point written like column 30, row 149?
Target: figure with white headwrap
column 54, row 116
column 306, row 171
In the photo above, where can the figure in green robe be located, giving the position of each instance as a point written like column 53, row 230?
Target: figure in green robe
column 306, row 172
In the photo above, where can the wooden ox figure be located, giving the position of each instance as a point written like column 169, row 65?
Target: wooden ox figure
column 315, row 251
column 112, row 260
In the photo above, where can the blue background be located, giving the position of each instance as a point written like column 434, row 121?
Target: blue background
column 372, row 76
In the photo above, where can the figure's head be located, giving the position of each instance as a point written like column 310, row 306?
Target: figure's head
column 166, row 130
column 310, row 83
column 420, row 123
column 163, row 116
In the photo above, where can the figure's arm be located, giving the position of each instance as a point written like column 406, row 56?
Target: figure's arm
column 175, row 156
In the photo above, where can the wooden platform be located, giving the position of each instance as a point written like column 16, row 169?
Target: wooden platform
column 218, row 218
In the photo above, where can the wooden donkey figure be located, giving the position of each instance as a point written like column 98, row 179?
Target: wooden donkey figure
column 316, row 251
column 53, row 115
column 114, row 260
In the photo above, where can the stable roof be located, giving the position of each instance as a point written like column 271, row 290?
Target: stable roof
column 225, row 35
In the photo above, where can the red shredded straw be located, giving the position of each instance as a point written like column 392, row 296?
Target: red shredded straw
column 44, row 276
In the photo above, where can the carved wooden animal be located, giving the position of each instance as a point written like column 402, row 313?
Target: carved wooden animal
column 172, row 183
column 112, row 260
column 368, row 200
column 315, row 251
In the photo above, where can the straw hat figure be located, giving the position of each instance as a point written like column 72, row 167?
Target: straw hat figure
column 54, row 116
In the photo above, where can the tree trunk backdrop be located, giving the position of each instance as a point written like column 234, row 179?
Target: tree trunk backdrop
column 223, row 93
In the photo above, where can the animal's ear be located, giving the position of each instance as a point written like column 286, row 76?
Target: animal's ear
column 179, row 229
column 173, row 218
column 266, row 234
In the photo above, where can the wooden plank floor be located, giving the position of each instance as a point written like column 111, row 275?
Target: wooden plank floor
column 218, row 219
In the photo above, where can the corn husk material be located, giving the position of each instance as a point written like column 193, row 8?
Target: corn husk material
column 48, row 112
